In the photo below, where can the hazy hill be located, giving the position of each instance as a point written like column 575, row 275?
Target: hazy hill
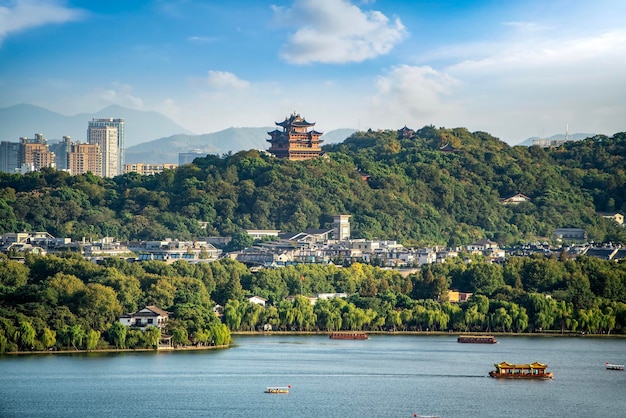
column 165, row 150
column 574, row 137
column 26, row 120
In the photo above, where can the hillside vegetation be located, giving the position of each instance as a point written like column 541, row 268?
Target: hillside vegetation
column 415, row 193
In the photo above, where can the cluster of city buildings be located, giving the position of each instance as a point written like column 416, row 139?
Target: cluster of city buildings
column 274, row 248
column 102, row 154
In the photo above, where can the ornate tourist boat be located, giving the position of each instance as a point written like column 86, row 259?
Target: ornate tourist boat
column 348, row 335
column 477, row 339
column 277, row 389
column 534, row 370
column 610, row 366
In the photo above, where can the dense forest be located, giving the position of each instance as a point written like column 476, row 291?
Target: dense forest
column 65, row 302
column 403, row 189
column 414, row 193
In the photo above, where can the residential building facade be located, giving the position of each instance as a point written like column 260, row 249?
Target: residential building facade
column 34, row 154
column 148, row 169
column 9, row 156
column 109, row 134
column 83, row 158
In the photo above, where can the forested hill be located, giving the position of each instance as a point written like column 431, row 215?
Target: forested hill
column 403, row 189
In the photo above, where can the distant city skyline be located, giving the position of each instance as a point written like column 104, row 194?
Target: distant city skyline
column 512, row 69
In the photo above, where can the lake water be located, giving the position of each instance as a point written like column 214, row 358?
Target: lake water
column 385, row 376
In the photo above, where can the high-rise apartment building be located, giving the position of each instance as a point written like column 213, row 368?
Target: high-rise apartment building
column 34, row 154
column 61, row 149
column 83, row 158
column 101, row 131
column 9, row 156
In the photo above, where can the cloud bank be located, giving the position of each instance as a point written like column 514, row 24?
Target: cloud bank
column 337, row 32
column 20, row 15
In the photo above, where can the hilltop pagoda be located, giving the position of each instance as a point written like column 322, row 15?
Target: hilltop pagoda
column 295, row 141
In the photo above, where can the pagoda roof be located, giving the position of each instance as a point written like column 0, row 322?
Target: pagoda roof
column 294, row 120
column 316, row 132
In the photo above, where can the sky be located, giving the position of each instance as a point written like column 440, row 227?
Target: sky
column 514, row 69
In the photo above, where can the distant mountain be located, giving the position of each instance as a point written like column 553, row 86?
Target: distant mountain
column 572, row 137
column 166, row 150
column 26, row 120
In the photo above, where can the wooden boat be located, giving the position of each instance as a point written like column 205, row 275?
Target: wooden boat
column 348, row 335
column 521, row 371
column 610, row 366
column 477, row 339
column 277, row 389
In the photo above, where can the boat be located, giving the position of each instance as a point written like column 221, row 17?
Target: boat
column 610, row 366
column 534, row 370
column 277, row 389
column 477, row 339
column 348, row 335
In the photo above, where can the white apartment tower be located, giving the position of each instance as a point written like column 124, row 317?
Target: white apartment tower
column 107, row 138
column 109, row 134
column 341, row 227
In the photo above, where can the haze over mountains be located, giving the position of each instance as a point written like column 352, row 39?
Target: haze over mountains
column 26, row 120
column 150, row 136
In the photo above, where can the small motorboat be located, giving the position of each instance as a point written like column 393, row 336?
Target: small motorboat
column 277, row 389
column 611, row 366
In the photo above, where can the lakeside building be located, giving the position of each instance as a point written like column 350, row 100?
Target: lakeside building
column 148, row 316
column 109, row 134
column 295, row 141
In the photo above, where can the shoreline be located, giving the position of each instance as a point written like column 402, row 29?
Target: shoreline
column 438, row 333
column 305, row 333
column 123, row 350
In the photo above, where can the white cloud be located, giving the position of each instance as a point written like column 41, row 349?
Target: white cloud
column 410, row 94
column 337, row 31
column 514, row 88
column 223, row 80
column 20, row 15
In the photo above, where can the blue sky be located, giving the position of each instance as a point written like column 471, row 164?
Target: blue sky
column 514, row 69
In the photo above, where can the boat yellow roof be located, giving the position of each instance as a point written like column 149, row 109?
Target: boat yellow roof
column 535, row 365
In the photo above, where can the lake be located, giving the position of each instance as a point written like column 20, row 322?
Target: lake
column 385, row 376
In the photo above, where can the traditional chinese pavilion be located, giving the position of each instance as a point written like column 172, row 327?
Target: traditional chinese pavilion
column 295, row 141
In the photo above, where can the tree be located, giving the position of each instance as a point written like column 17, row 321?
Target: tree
column 48, row 337
column 180, row 336
column 25, row 335
column 117, row 334
column 98, row 306
column 239, row 241
column 77, row 334
column 152, row 336
column 91, row 340
column 233, row 315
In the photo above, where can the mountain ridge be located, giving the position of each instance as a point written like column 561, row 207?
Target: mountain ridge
column 26, row 119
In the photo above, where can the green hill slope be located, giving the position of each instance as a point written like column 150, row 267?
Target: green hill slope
column 413, row 192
